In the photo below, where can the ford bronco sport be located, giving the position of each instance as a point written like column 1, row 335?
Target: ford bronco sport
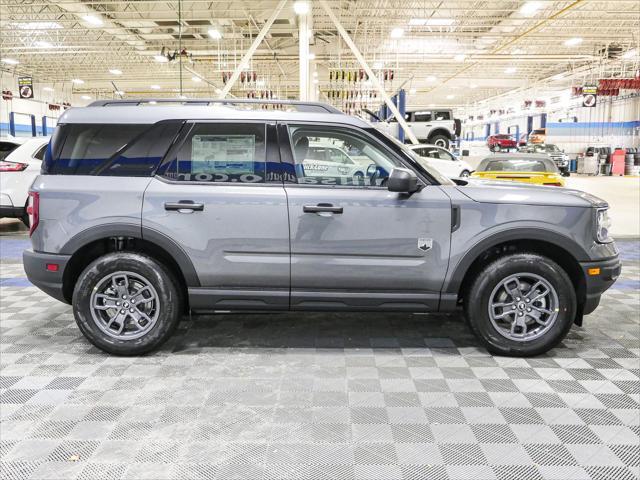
column 142, row 213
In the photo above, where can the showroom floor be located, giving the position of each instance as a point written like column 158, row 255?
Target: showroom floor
column 317, row 396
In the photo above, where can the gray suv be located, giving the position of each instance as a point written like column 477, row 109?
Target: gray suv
column 145, row 212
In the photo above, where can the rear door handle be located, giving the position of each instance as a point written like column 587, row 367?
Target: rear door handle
column 186, row 205
column 322, row 207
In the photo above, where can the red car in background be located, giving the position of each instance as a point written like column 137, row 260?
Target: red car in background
column 500, row 142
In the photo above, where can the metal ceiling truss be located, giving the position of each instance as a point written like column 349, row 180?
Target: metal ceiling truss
column 493, row 35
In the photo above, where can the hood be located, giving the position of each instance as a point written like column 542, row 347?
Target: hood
column 511, row 192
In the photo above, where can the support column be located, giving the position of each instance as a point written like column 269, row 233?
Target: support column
column 303, row 53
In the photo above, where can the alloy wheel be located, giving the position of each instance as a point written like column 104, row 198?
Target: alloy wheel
column 124, row 305
column 523, row 307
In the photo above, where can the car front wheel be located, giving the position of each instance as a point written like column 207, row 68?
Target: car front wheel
column 521, row 304
column 464, row 173
column 126, row 303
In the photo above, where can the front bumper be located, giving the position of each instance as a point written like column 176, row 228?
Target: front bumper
column 50, row 282
column 599, row 276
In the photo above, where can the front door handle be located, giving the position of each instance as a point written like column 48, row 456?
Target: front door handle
column 184, row 205
column 322, row 208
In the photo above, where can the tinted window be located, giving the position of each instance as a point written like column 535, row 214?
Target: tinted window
column 214, row 152
column 6, row 148
column 443, row 115
column 86, row 147
column 143, row 156
column 423, row 116
column 40, row 152
column 349, row 160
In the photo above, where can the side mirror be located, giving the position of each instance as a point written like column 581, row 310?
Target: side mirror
column 465, row 153
column 402, row 180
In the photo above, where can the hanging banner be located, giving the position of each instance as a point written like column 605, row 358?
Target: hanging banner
column 589, row 95
column 25, row 86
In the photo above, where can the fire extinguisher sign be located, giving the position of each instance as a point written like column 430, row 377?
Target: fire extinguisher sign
column 25, row 86
column 589, row 95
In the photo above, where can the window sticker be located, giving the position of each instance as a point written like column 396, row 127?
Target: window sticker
column 229, row 154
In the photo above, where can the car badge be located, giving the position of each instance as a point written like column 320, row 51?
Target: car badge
column 425, row 244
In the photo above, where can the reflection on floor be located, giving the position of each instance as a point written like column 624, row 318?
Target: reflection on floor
column 316, row 396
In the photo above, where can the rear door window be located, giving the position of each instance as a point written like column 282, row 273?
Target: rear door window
column 40, row 152
column 221, row 152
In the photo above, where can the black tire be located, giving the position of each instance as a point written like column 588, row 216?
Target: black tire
column 164, row 283
column 476, row 304
column 465, row 173
column 445, row 142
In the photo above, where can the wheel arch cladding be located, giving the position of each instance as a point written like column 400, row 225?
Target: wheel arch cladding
column 92, row 243
column 548, row 244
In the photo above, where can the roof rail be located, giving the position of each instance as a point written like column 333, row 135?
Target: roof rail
column 317, row 107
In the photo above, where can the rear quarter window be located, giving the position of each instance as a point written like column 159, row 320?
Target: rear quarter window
column 109, row 149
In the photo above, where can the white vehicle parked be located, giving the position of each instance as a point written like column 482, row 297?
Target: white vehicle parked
column 442, row 160
column 17, row 172
column 327, row 161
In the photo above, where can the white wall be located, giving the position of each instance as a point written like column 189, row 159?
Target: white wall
column 615, row 121
column 23, row 108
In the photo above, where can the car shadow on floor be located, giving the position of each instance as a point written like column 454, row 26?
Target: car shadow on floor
column 322, row 330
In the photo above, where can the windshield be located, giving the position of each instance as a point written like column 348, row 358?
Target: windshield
column 441, row 179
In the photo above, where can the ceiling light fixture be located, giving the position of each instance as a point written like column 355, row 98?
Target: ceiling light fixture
column 397, row 32
column 42, row 44
column 78, row 81
column 510, row 70
column 301, row 8
column 460, row 57
column 473, row 85
column 196, row 79
column 431, row 78
column 160, row 58
column 572, row 42
column 85, row 97
column 529, row 9
column 214, row 33
column 450, row 97
column 412, row 91
column 155, row 87
column 47, row 89
column 93, row 20
column 10, row 61
column 630, row 53
column 115, row 71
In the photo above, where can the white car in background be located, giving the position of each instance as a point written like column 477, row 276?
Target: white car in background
column 17, row 172
column 442, row 160
column 329, row 161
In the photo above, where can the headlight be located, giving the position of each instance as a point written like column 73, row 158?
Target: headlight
column 603, row 223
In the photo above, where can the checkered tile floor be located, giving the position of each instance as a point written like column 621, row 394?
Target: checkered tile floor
column 317, row 396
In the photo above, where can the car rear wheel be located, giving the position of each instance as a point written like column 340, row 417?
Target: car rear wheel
column 521, row 304
column 126, row 303
column 439, row 141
